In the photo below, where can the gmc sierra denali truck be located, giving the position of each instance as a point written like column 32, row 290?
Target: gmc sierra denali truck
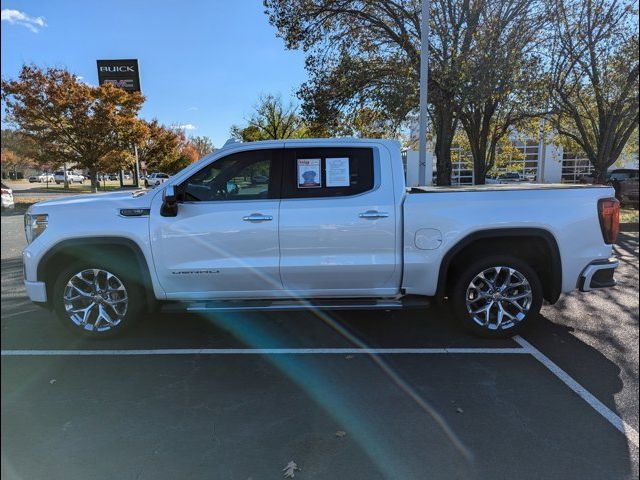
column 327, row 224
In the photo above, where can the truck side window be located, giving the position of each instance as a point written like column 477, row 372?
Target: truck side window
column 239, row 176
column 327, row 172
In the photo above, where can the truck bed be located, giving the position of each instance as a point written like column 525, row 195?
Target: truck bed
column 502, row 187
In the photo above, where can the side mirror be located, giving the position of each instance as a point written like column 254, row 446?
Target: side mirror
column 169, row 202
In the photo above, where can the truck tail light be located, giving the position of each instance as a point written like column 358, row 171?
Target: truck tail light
column 609, row 215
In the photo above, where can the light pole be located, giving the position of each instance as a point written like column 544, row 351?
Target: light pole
column 424, row 80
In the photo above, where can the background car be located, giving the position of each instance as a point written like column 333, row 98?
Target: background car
column 155, row 179
column 7, row 197
column 71, row 177
column 625, row 183
column 45, row 178
column 510, row 177
column 490, row 179
column 33, row 179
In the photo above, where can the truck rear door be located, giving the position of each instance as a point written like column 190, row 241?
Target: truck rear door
column 337, row 223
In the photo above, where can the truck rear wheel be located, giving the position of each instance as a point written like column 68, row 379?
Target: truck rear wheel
column 497, row 297
column 95, row 300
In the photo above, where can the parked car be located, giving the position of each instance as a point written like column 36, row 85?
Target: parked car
column 155, row 179
column 625, row 183
column 98, row 262
column 7, row 197
column 33, row 179
column 71, row 177
column 510, row 177
column 46, row 178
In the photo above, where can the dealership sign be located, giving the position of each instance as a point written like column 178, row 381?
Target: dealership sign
column 121, row 73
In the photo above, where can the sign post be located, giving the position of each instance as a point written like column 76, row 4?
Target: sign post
column 123, row 74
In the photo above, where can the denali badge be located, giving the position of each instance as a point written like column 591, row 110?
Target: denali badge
column 194, row 272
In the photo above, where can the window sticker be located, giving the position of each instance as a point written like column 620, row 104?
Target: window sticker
column 309, row 173
column 338, row 172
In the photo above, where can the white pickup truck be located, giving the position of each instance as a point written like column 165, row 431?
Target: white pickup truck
column 325, row 224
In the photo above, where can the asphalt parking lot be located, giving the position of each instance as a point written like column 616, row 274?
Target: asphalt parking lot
column 357, row 395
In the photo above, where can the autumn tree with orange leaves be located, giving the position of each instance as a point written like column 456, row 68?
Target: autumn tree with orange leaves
column 71, row 122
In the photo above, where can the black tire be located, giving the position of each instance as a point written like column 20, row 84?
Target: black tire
column 462, row 284
column 134, row 292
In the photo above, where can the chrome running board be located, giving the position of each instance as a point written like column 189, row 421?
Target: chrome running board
column 295, row 305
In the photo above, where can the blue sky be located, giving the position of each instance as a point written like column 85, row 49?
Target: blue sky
column 202, row 63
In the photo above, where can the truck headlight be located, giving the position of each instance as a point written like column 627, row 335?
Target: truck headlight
column 34, row 225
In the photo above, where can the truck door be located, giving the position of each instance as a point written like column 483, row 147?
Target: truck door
column 224, row 240
column 338, row 223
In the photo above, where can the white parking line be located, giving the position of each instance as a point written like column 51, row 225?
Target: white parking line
column 525, row 349
column 626, row 429
column 15, row 314
column 267, row 351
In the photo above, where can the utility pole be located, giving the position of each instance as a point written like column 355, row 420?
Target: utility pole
column 424, row 81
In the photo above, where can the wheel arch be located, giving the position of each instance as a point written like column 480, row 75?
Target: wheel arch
column 118, row 249
column 507, row 241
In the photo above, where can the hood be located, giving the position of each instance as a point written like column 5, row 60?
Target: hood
column 127, row 199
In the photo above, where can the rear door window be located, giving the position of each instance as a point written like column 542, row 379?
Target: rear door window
column 327, row 172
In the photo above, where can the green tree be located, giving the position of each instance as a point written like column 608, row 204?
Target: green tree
column 594, row 78
column 271, row 120
column 366, row 56
column 71, row 122
column 502, row 75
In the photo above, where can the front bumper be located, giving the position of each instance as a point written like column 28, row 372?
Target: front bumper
column 36, row 291
column 598, row 274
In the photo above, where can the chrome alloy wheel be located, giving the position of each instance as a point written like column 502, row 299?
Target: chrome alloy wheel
column 499, row 298
column 95, row 300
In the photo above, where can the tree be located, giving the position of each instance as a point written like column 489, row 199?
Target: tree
column 186, row 154
column 362, row 58
column 71, row 122
column 203, row 145
column 366, row 55
column 594, row 78
column 16, row 152
column 159, row 146
column 272, row 120
column 502, row 77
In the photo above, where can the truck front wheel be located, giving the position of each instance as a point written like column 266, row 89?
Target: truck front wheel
column 496, row 297
column 96, row 301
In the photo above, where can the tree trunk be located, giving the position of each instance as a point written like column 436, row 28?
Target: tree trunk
column 120, row 177
column 479, row 173
column 94, row 180
column 445, row 130
column 599, row 174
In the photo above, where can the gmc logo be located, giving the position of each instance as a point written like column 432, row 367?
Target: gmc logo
column 117, row 69
column 123, row 83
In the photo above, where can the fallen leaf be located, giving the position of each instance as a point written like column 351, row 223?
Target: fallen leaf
column 52, row 381
column 290, row 469
column 341, row 433
column 459, row 410
column 349, row 357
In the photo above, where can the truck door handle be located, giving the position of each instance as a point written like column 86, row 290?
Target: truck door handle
column 257, row 217
column 373, row 214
